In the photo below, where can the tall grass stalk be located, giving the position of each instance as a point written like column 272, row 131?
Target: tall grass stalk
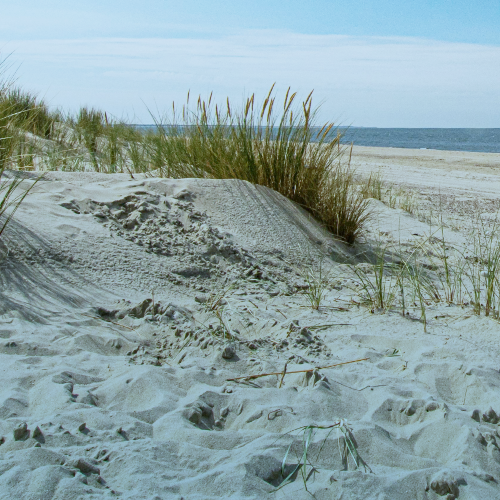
column 414, row 273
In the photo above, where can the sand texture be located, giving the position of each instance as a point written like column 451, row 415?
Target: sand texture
column 117, row 297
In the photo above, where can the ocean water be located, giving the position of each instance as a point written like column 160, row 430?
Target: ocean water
column 485, row 140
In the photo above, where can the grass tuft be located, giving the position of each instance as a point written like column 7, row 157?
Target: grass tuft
column 12, row 194
column 275, row 146
column 11, row 115
column 346, row 443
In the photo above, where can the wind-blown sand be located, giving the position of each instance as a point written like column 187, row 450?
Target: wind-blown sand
column 113, row 379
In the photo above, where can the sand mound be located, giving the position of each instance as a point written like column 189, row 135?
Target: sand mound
column 118, row 299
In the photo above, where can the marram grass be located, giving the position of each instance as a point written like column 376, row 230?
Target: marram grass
column 277, row 145
column 14, row 120
column 273, row 145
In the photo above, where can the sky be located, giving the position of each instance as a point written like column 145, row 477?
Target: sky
column 384, row 63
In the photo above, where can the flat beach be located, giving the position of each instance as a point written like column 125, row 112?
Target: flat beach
column 158, row 341
column 458, row 171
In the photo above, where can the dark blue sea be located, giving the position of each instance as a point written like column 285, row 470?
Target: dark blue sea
column 485, row 140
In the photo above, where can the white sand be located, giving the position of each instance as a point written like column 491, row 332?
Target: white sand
column 475, row 174
column 103, row 283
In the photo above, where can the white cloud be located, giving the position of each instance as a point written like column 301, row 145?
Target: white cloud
column 371, row 81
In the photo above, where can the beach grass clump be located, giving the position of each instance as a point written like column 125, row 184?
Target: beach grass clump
column 103, row 143
column 114, row 157
column 277, row 146
column 88, row 126
column 29, row 113
column 12, row 193
column 25, row 120
column 483, row 267
column 9, row 136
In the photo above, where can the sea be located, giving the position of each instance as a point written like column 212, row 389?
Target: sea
column 481, row 140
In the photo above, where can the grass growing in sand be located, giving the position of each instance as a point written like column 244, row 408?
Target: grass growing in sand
column 318, row 279
column 346, row 446
column 374, row 186
column 378, row 281
column 12, row 194
column 16, row 115
column 483, row 267
column 433, row 270
column 277, row 145
column 270, row 145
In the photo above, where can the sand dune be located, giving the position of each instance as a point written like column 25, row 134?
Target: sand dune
column 114, row 356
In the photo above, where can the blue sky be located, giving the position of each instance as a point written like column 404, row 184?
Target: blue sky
column 371, row 63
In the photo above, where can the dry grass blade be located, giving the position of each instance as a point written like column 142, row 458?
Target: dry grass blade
column 108, row 321
column 283, row 376
column 252, row 377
